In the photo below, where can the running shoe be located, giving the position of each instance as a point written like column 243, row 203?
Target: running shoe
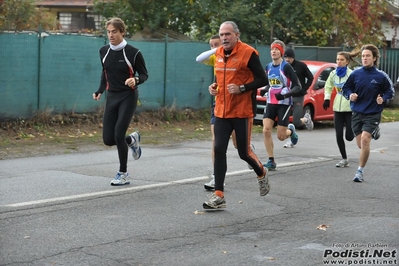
column 120, row 179
column 309, row 123
column 264, row 186
column 215, row 202
column 211, row 184
column 253, row 150
column 342, row 163
column 376, row 133
column 358, row 177
column 288, row 144
column 294, row 135
column 135, row 145
column 270, row 165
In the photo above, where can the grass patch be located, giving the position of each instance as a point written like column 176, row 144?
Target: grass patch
column 47, row 133
column 390, row 115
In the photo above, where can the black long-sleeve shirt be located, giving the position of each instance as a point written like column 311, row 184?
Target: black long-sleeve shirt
column 304, row 75
column 119, row 66
column 259, row 73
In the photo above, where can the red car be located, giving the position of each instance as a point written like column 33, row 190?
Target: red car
column 313, row 100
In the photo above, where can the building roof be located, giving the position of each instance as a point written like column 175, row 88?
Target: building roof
column 393, row 7
column 63, row 3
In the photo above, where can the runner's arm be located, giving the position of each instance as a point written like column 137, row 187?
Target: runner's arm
column 295, row 84
column 260, row 78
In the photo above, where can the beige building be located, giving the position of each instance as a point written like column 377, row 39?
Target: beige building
column 392, row 33
column 73, row 15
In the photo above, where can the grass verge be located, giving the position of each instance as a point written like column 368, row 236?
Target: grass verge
column 47, row 134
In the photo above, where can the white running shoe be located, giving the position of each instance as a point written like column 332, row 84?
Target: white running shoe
column 211, row 184
column 309, row 123
column 120, row 179
column 342, row 163
column 288, row 144
column 135, row 145
column 264, row 186
column 215, row 202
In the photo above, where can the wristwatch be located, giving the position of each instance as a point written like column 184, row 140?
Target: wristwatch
column 242, row 88
column 136, row 79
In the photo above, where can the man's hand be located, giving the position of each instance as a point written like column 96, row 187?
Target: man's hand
column 131, row 82
column 279, row 96
column 233, row 88
column 213, row 89
column 326, row 104
column 380, row 100
column 353, row 97
column 96, row 96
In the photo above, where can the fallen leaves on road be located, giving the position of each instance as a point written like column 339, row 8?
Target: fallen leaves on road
column 322, row 227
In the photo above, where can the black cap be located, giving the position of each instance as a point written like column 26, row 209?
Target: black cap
column 289, row 53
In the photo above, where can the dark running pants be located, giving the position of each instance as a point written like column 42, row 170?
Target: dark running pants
column 119, row 110
column 223, row 128
column 341, row 120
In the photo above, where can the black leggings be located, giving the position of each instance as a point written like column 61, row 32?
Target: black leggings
column 118, row 113
column 297, row 111
column 342, row 119
column 223, row 128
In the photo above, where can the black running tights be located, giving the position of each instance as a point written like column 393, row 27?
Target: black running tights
column 223, row 128
column 342, row 119
column 119, row 110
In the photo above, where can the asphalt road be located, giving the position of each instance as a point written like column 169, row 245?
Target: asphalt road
column 61, row 210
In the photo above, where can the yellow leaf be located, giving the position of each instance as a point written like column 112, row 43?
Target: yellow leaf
column 322, row 227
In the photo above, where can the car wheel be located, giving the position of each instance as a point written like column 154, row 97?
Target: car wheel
column 308, row 109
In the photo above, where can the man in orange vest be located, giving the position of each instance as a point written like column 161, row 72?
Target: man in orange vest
column 239, row 73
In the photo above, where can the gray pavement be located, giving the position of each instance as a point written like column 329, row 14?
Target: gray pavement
column 61, row 210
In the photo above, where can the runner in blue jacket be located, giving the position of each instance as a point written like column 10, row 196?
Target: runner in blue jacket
column 368, row 89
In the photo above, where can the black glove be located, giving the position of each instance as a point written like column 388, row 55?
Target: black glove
column 279, row 96
column 263, row 91
column 326, row 104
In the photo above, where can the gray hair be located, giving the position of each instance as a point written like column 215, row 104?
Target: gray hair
column 233, row 24
column 280, row 43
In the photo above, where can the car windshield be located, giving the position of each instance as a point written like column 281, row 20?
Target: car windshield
column 313, row 69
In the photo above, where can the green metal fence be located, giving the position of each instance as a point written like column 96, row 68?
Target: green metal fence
column 60, row 73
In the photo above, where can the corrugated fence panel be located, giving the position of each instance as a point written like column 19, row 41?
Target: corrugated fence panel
column 187, row 81
column 389, row 62
column 70, row 72
column 307, row 53
column 18, row 75
column 264, row 54
column 60, row 72
column 328, row 54
column 151, row 93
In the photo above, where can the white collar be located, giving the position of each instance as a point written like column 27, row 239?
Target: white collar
column 119, row 46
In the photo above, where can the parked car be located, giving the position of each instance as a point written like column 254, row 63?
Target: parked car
column 313, row 100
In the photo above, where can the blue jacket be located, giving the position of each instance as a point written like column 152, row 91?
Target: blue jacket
column 368, row 83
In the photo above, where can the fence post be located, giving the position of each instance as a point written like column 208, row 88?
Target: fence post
column 38, row 66
column 165, row 71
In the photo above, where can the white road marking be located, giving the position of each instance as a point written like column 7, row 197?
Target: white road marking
column 158, row 185
column 379, row 149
